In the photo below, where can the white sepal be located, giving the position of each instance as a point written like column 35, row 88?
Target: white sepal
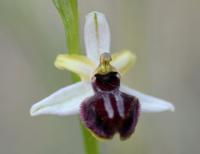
column 65, row 101
column 149, row 103
column 96, row 35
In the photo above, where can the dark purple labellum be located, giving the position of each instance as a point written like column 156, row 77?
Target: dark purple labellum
column 110, row 111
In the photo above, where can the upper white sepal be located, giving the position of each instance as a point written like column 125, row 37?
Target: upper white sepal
column 65, row 101
column 149, row 103
column 96, row 35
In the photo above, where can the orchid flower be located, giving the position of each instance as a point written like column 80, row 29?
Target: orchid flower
column 105, row 106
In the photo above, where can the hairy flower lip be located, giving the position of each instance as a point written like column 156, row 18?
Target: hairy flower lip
column 67, row 101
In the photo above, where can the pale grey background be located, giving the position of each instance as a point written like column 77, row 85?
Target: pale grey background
column 165, row 35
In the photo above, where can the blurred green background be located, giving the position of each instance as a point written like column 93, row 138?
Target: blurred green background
column 165, row 35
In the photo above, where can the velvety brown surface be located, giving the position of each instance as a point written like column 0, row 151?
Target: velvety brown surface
column 96, row 117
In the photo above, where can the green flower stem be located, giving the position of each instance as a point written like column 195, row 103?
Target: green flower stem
column 68, row 10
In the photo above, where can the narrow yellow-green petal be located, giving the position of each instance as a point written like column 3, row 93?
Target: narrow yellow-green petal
column 78, row 64
column 123, row 61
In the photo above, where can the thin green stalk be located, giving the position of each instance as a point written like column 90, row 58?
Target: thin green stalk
column 68, row 10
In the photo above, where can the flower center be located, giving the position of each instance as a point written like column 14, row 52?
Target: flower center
column 105, row 78
column 105, row 66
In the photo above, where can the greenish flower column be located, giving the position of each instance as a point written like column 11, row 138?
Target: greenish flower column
column 68, row 10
